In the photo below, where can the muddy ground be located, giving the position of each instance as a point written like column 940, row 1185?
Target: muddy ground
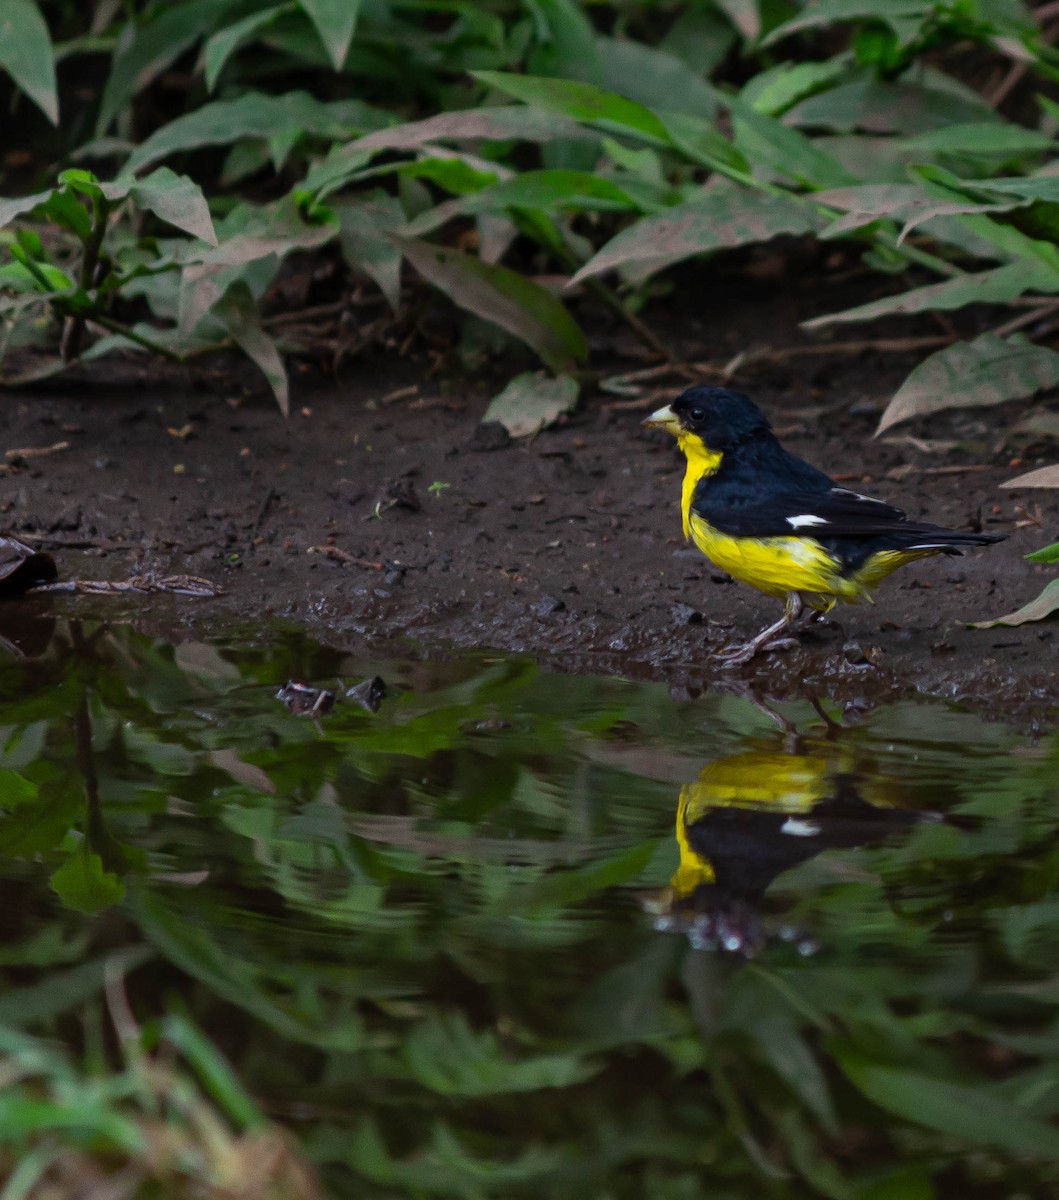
column 382, row 511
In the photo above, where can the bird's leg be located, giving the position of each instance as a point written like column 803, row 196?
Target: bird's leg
column 736, row 656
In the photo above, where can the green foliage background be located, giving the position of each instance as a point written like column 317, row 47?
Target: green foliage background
column 485, row 146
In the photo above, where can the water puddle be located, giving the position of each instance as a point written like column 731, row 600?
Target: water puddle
column 477, row 930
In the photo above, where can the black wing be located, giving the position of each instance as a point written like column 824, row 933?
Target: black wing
column 825, row 514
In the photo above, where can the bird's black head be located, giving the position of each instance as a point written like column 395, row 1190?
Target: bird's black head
column 720, row 418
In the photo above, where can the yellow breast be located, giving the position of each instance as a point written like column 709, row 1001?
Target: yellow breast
column 775, row 565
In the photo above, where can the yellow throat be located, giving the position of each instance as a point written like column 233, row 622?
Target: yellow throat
column 702, row 461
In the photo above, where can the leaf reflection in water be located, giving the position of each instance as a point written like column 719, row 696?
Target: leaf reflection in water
column 411, row 937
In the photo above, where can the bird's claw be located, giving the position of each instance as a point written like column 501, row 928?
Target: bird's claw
column 738, row 656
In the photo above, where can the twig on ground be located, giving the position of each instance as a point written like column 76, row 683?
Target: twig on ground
column 404, row 393
column 1026, row 318
column 333, row 309
column 56, row 542
column 181, row 585
column 748, row 358
column 36, row 451
column 343, row 556
column 880, row 345
column 270, row 495
column 907, row 469
column 652, row 398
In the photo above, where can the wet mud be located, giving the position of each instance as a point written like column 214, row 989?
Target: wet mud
column 382, row 511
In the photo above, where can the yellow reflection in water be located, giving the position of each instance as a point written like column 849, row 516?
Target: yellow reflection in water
column 751, row 816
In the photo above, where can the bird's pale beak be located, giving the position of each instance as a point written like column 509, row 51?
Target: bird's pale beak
column 663, row 418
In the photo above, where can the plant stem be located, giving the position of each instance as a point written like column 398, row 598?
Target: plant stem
column 618, row 306
column 144, row 342
column 73, row 332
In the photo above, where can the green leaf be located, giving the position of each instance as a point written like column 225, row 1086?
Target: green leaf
column 997, row 286
column 1043, row 606
column 559, row 889
column 1027, row 187
column 970, row 1113
column 1047, row 554
column 1008, row 241
column 1043, row 477
column 774, row 91
column 722, row 216
column 452, row 172
column 146, row 50
column 975, row 374
column 447, row 1056
column 68, row 212
column 213, row 1069
column 498, row 123
column 905, row 202
column 566, row 43
column 10, row 208
column 15, row 789
column 700, row 37
column 238, row 313
column 86, row 183
column 22, row 1116
column 40, row 276
column 245, row 982
column 255, row 115
column 15, row 277
column 780, row 149
column 365, row 225
column 580, row 101
column 654, row 78
column 83, row 884
column 700, row 142
column 227, row 41
column 908, row 106
column 988, row 139
column 531, row 402
column 555, row 190
column 335, row 21
column 173, row 198
column 506, row 298
column 27, row 56
column 745, row 15
column 895, row 13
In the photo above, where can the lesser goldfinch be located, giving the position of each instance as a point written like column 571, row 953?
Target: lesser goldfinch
column 775, row 522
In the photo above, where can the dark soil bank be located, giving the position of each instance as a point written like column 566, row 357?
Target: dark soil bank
column 371, row 516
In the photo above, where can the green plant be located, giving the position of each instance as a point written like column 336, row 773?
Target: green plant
column 480, row 144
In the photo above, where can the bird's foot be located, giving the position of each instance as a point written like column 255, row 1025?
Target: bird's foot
column 738, row 656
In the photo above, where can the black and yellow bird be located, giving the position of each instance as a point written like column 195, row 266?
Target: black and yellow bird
column 751, row 816
column 771, row 520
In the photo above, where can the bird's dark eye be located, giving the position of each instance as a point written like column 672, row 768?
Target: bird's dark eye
column 696, row 414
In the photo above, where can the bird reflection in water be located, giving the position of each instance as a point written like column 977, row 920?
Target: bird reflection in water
column 751, row 816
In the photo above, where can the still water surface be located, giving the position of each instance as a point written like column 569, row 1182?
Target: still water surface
column 529, row 934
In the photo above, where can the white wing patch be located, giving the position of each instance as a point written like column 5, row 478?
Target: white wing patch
column 797, row 828
column 804, row 520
